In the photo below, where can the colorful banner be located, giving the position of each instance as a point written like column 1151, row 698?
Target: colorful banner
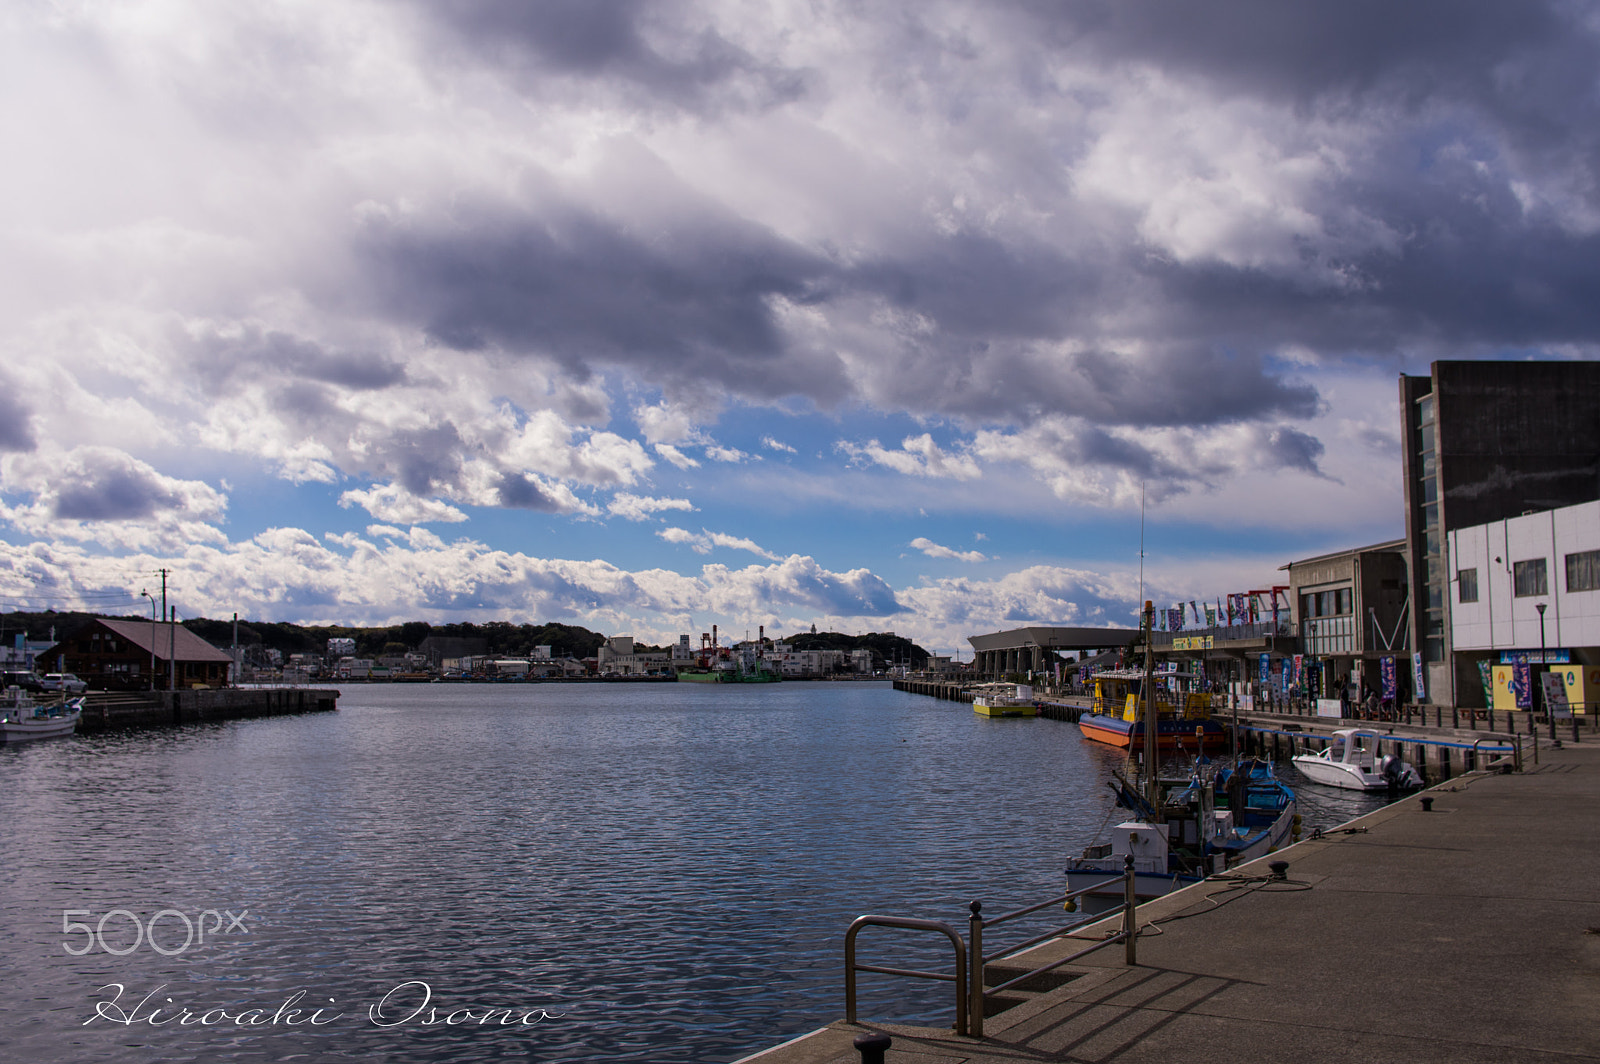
column 1211, row 617
column 1266, row 666
column 1299, row 664
column 1391, row 683
column 1522, row 684
column 1420, row 689
column 1175, row 619
column 1486, row 674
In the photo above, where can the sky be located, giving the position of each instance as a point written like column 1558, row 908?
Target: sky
column 936, row 318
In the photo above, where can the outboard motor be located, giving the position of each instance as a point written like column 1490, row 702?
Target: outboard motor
column 1399, row 774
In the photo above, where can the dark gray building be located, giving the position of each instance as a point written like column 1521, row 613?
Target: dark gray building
column 1482, row 442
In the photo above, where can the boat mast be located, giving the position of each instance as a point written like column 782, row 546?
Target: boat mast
column 1152, row 785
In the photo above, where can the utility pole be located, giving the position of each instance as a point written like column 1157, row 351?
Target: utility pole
column 172, row 635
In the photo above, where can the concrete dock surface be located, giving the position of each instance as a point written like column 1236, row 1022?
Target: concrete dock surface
column 1467, row 934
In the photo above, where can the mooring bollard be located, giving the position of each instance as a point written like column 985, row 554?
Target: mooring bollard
column 1427, row 805
column 873, row 1046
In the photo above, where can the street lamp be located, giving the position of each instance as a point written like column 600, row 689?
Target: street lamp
column 1542, row 701
column 152, row 599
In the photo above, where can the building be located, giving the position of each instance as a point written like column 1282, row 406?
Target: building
column 1485, row 442
column 136, row 656
column 1349, row 611
column 618, row 656
column 1525, row 591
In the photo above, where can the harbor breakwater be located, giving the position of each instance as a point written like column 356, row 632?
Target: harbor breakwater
column 105, row 712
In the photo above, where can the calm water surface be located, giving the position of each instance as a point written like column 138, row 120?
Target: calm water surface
column 652, row 873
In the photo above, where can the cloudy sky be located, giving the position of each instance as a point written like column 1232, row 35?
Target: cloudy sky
column 649, row 315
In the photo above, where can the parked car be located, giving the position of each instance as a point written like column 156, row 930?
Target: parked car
column 23, row 678
column 64, row 682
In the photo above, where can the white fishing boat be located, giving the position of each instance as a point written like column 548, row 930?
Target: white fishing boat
column 23, row 718
column 1351, row 761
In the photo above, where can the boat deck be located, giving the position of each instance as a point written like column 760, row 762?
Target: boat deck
column 1375, row 948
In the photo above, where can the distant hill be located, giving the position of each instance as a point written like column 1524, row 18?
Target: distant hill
column 886, row 649
column 502, row 637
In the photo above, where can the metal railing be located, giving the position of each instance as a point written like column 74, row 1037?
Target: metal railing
column 971, row 993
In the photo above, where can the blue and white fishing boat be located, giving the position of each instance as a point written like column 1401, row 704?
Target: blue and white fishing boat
column 21, row 717
column 1204, row 825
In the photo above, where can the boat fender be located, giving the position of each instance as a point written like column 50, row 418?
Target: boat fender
column 1071, row 906
column 1295, row 828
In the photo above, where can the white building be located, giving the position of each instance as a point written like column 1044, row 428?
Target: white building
column 1501, row 574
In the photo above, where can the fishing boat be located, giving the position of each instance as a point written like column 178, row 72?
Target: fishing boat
column 22, row 718
column 1202, row 825
column 1182, row 715
column 1005, row 700
column 1351, row 761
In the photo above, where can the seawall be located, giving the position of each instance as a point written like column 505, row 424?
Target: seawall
column 106, row 712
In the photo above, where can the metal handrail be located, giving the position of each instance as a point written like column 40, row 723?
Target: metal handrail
column 970, row 992
column 1515, row 749
column 1129, row 936
column 910, row 924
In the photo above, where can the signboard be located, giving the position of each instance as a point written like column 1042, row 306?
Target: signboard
column 1552, row 656
column 1555, row 696
column 1328, row 707
column 1191, row 642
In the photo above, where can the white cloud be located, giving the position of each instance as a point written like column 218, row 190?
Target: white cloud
column 772, row 444
column 934, row 550
column 393, row 503
column 703, row 541
column 641, row 507
column 675, row 456
column 917, row 456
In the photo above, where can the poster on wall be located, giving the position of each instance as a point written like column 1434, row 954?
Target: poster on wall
column 1391, row 682
column 1416, row 679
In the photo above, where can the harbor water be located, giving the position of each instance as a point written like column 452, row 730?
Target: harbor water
column 606, row 872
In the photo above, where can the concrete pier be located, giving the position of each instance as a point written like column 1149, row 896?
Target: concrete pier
column 104, row 712
column 1466, row 933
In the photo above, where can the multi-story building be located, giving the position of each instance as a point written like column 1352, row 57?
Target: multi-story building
column 1526, row 591
column 1484, row 442
column 1349, row 611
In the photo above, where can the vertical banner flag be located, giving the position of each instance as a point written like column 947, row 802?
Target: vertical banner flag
column 1391, row 687
column 1266, row 664
column 1299, row 663
column 1416, row 678
column 1211, row 617
column 1522, row 684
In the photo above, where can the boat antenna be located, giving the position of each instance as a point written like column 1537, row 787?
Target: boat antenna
column 1141, row 540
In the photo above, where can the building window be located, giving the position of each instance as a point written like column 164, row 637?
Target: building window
column 1528, row 578
column 1467, row 585
column 1583, row 571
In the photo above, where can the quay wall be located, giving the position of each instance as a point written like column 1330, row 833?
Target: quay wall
column 1440, row 741
column 164, row 708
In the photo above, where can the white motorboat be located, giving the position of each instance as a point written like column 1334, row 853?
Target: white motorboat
column 23, row 718
column 1351, row 761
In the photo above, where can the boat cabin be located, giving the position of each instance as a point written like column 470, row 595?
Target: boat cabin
column 1117, row 693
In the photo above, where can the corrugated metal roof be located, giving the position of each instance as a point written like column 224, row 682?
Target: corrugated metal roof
column 157, row 637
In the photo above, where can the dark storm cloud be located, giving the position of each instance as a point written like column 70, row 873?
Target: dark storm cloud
column 610, row 41
column 425, row 461
column 518, row 492
column 112, row 493
column 1301, row 50
column 223, row 359
column 1292, row 449
column 16, row 421
column 696, row 310
column 579, row 289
